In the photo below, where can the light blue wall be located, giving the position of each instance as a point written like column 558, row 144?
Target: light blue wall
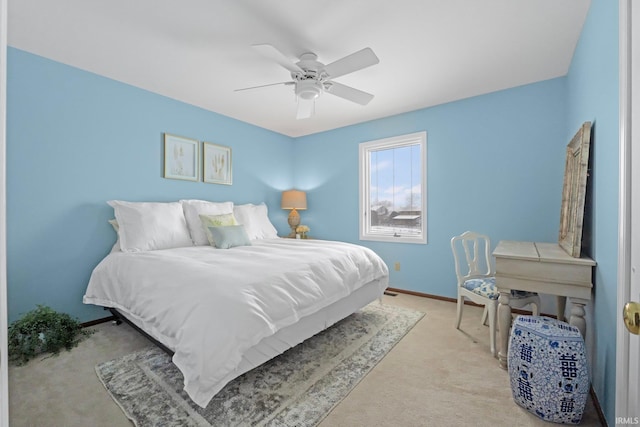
column 495, row 165
column 76, row 140
column 592, row 94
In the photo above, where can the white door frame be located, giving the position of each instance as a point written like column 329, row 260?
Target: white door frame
column 627, row 347
column 4, row 379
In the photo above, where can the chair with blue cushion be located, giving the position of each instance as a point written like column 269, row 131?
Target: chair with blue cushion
column 477, row 282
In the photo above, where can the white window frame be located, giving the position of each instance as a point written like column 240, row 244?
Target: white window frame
column 365, row 150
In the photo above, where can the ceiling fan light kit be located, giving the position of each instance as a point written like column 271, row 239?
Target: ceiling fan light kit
column 308, row 89
column 311, row 78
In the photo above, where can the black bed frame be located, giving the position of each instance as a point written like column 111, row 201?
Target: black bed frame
column 121, row 318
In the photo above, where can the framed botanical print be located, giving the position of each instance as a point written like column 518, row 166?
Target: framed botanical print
column 216, row 164
column 181, row 158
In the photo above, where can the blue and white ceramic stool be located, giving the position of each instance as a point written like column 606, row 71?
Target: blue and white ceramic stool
column 548, row 368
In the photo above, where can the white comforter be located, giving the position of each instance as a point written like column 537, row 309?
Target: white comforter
column 210, row 305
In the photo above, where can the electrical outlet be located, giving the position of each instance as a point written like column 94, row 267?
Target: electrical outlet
column 397, row 266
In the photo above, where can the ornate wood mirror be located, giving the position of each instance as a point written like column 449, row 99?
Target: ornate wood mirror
column 574, row 191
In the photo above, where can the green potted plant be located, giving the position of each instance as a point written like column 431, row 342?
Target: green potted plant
column 43, row 330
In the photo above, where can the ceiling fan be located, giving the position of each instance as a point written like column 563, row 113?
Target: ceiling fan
column 311, row 78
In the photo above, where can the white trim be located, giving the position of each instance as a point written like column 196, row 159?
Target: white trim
column 364, row 202
column 622, row 406
column 4, row 370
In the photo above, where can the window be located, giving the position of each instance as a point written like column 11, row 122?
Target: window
column 393, row 189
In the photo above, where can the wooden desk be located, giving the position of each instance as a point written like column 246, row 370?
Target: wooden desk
column 544, row 268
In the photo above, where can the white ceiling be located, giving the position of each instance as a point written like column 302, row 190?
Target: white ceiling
column 198, row 51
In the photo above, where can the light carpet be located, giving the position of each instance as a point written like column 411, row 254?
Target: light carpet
column 297, row 388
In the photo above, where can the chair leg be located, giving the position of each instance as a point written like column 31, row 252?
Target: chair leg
column 535, row 309
column 459, row 310
column 491, row 309
column 484, row 316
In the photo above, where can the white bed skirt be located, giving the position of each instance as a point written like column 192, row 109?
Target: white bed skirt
column 292, row 335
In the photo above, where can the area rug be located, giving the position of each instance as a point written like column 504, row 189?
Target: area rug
column 298, row 388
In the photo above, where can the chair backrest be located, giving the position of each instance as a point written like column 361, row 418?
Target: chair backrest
column 471, row 254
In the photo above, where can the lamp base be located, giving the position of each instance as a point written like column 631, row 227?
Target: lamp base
column 294, row 222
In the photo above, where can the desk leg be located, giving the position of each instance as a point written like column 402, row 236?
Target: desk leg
column 504, row 323
column 577, row 316
column 562, row 304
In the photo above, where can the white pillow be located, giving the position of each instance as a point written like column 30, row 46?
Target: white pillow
column 255, row 220
column 243, row 214
column 116, row 245
column 192, row 211
column 265, row 228
column 147, row 226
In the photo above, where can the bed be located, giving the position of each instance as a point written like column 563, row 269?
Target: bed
column 223, row 312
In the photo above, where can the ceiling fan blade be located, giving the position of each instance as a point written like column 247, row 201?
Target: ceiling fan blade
column 271, row 52
column 349, row 93
column 356, row 61
column 305, row 108
column 258, row 87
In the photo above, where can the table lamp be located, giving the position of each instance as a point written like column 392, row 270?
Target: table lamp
column 294, row 200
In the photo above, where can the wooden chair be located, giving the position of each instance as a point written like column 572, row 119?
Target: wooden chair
column 477, row 282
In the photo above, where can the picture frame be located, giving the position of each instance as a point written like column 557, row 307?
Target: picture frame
column 574, row 191
column 216, row 164
column 181, row 158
